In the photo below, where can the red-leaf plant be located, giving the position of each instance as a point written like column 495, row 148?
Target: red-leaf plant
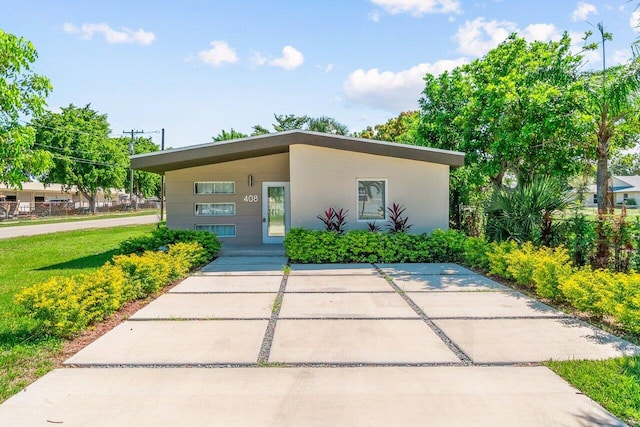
column 397, row 224
column 334, row 220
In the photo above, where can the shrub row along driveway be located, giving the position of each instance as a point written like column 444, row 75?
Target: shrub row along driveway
column 406, row 344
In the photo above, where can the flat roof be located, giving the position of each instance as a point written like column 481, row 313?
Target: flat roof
column 275, row 143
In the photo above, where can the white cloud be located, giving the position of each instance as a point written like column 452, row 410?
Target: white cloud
column 477, row 37
column 541, row 32
column 622, row 56
column 582, row 11
column 291, row 58
column 219, row 53
column 374, row 15
column 257, row 59
column 391, row 91
column 418, row 7
column 111, row 36
column 634, row 21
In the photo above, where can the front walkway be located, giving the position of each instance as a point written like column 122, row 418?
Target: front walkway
column 243, row 343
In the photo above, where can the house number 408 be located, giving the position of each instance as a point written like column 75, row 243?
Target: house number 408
column 251, row 198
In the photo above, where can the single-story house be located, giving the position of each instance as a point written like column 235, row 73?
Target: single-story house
column 251, row 191
column 34, row 193
column 626, row 191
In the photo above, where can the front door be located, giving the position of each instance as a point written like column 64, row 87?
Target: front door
column 275, row 211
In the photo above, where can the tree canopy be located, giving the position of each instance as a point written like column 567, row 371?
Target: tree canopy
column 402, row 129
column 518, row 110
column 22, row 93
column 83, row 154
column 225, row 136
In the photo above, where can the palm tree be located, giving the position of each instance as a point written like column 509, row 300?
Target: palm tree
column 327, row 125
column 613, row 103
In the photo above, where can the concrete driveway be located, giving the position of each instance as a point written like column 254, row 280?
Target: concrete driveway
column 242, row 343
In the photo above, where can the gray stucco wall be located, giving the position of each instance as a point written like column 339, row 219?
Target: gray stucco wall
column 324, row 177
column 181, row 199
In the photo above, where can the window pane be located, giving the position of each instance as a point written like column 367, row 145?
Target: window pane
column 222, row 230
column 224, row 188
column 371, row 200
column 215, row 209
column 215, row 187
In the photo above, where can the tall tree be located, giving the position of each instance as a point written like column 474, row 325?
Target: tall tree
column 402, row 129
column 517, row 110
column 285, row 122
column 259, row 130
column 22, row 93
column 226, row 136
column 83, row 154
column 327, row 125
column 614, row 106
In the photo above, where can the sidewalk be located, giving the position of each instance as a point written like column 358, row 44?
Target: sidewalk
column 243, row 343
column 32, row 230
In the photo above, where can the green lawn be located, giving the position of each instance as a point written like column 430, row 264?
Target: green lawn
column 614, row 383
column 55, row 219
column 25, row 353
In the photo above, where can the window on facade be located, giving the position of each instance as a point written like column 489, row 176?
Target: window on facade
column 625, row 196
column 221, row 230
column 215, row 209
column 595, row 198
column 11, row 198
column 215, row 187
column 372, row 201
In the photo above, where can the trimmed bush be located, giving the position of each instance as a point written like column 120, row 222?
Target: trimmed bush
column 163, row 236
column 313, row 246
column 497, row 256
column 67, row 305
column 520, row 263
column 552, row 269
column 475, row 252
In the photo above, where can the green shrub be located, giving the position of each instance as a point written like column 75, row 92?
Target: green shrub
column 446, row 246
column 497, row 258
column 475, row 252
column 583, row 289
column 67, row 305
column 521, row 262
column 313, row 246
column 553, row 267
column 163, row 236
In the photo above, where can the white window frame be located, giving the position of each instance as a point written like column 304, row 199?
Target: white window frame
column 386, row 199
column 195, row 208
column 195, row 183
column 235, row 229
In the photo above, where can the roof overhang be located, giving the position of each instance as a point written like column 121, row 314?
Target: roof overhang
column 275, row 143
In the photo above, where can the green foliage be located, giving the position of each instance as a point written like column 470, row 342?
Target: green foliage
column 401, row 129
column 475, row 252
column 326, row 124
column 313, row 246
column 226, row 136
column 525, row 213
column 516, row 110
column 22, row 93
column 614, row 383
column 82, row 133
column 552, row 269
column 497, row 256
column 68, row 305
column 520, row 264
column 287, row 122
column 163, row 236
column 580, row 238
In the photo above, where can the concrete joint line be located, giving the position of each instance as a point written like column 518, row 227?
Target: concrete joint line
column 464, row 358
column 267, row 340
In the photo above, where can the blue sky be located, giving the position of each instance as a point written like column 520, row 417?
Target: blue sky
column 195, row 67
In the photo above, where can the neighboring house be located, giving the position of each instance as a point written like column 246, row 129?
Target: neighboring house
column 35, row 193
column 252, row 190
column 626, row 190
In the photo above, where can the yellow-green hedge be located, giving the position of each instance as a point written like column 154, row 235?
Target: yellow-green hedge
column 67, row 305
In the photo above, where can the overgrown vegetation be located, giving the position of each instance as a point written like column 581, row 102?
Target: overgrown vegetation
column 162, row 236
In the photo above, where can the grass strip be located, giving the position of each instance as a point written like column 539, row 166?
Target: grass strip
column 613, row 383
column 25, row 352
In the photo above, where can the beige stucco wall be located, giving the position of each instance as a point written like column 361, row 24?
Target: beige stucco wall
column 181, row 199
column 324, row 177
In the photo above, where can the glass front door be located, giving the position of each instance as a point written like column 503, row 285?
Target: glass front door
column 275, row 216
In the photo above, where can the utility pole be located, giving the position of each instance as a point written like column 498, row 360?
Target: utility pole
column 162, row 183
column 133, row 132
